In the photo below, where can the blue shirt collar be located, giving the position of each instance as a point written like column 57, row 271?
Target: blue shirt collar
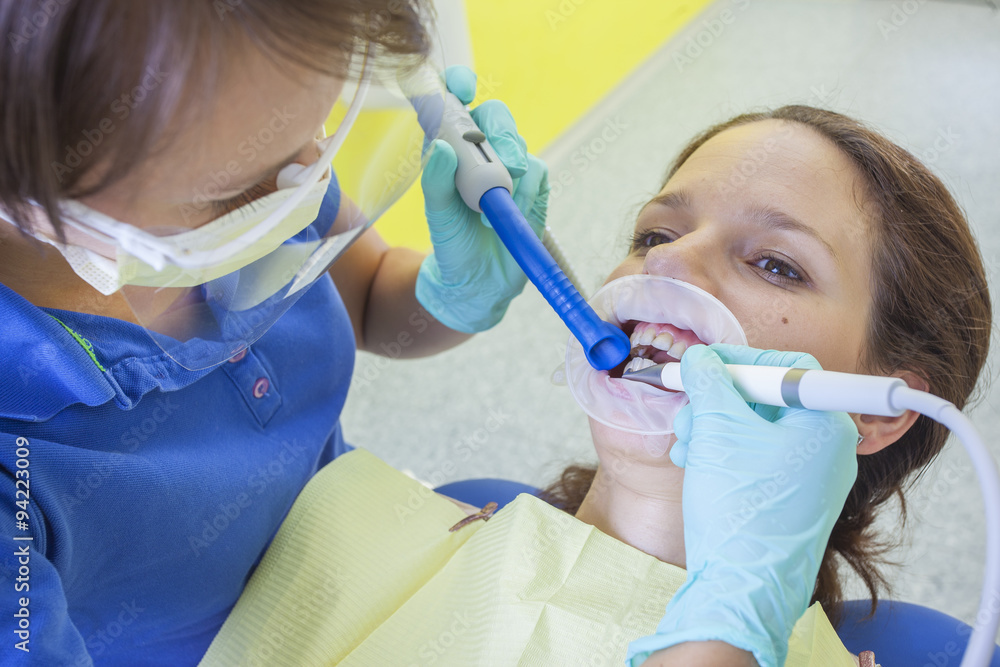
column 45, row 369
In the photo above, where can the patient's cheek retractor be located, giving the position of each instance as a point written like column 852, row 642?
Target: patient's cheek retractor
column 486, row 186
column 663, row 316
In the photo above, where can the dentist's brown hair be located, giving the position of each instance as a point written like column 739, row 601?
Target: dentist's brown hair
column 931, row 315
column 92, row 87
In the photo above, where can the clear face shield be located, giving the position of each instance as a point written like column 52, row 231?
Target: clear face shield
column 207, row 293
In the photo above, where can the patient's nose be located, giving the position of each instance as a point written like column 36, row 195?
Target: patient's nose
column 692, row 258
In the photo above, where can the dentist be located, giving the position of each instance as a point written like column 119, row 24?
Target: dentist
column 177, row 338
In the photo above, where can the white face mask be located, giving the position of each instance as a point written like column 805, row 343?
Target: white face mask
column 224, row 240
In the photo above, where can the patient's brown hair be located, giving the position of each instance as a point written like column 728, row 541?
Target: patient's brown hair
column 931, row 315
column 100, row 82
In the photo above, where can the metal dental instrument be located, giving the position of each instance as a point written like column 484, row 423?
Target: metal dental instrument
column 888, row 397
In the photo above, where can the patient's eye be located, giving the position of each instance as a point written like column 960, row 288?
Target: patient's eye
column 781, row 270
column 649, row 239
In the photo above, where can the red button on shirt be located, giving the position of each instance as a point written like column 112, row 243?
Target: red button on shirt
column 260, row 387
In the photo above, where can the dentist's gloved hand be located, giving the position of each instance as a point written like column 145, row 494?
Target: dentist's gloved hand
column 763, row 488
column 470, row 278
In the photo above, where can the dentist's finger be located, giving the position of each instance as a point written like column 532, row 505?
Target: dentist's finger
column 532, row 192
column 494, row 119
column 682, row 430
column 438, row 178
column 461, row 81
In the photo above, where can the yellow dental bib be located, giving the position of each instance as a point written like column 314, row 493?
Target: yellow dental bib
column 364, row 572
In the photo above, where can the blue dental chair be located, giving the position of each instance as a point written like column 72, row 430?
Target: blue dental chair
column 903, row 633
column 900, row 633
column 478, row 492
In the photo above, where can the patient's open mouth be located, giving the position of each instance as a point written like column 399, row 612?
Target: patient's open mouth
column 654, row 343
column 663, row 318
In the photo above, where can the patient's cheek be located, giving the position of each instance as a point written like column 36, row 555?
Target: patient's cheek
column 768, row 329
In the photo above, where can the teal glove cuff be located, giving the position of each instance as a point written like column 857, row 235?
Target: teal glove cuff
column 689, row 618
column 466, row 310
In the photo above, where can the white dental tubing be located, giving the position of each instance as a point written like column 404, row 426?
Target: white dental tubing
column 889, row 397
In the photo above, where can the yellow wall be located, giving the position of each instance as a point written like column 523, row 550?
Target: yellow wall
column 550, row 61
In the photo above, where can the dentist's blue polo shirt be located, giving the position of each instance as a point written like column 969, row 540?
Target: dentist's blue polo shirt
column 152, row 491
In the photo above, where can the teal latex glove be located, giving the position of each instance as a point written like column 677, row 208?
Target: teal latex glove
column 470, row 278
column 763, row 488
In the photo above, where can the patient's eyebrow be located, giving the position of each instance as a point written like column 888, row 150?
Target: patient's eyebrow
column 673, row 199
column 779, row 220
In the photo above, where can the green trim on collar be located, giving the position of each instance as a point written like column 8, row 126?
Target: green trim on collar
column 83, row 342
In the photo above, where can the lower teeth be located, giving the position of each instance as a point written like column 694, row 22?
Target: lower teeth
column 638, row 363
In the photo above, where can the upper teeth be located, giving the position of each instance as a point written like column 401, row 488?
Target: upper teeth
column 646, row 336
column 664, row 341
column 642, row 336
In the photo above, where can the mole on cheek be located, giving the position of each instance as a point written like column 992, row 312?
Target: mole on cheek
column 784, row 320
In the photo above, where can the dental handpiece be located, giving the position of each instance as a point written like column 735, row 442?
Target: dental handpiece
column 485, row 185
column 829, row 391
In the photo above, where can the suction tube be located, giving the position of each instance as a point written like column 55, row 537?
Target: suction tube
column 485, row 185
column 604, row 344
column 889, row 397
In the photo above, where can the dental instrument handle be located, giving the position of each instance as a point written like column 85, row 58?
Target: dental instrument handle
column 479, row 167
column 829, row 391
column 485, row 185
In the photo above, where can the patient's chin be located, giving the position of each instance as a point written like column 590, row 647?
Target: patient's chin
column 641, row 448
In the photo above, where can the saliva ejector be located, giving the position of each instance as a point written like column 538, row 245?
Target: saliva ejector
column 485, row 186
column 832, row 391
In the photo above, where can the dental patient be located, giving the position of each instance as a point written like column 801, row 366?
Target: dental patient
column 797, row 229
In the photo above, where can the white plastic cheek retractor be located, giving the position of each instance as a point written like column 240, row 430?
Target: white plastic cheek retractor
column 633, row 406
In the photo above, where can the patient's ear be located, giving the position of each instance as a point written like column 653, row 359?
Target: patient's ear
column 880, row 432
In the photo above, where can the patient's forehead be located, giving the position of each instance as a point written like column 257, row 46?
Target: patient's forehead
column 771, row 152
column 778, row 164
